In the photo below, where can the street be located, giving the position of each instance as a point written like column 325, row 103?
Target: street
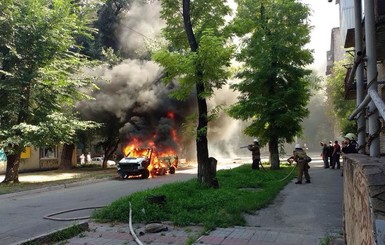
column 22, row 213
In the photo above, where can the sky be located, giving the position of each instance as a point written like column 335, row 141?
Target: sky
column 325, row 16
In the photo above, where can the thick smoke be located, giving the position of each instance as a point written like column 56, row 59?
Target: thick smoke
column 141, row 25
column 131, row 94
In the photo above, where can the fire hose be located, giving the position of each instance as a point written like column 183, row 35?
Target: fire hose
column 50, row 217
column 282, row 178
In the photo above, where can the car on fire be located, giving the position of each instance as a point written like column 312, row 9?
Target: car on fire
column 145, row 162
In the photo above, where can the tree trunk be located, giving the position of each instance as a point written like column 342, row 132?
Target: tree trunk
column 201, row 140
column 66, row 156
column 12, row 170
column 274, row 153
column 109, row 152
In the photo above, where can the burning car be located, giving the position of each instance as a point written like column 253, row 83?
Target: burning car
column 145, row 162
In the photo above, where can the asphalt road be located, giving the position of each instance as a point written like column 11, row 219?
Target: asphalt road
column 22, row 213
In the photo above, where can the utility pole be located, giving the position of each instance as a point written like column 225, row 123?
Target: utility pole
column 371, row 59
column 361, row 123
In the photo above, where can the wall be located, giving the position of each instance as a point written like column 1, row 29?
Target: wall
column 33, row 162
column 364, row 199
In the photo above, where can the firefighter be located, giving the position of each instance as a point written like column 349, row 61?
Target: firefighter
column 303, row 167
column 256, row 154
column 350, row 144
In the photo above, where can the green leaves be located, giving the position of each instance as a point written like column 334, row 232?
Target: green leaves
column 340, row 107
column 212, row 59
column 274, row 84
column 40, row 68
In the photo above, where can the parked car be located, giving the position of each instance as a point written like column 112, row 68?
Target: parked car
column 99, row 161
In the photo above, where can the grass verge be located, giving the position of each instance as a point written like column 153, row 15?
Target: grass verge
column 241, row 191
column 59, row 236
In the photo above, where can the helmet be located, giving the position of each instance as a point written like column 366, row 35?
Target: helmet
column 350, row 136
column 297, row 146
column 255, row 140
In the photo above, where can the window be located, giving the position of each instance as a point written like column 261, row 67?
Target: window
column 48, row 152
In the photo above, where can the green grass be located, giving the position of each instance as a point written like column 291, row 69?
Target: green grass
column 241, row 191
column 59, row 236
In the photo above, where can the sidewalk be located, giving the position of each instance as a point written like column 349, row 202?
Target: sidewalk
column 305, row 214
column 308, row 214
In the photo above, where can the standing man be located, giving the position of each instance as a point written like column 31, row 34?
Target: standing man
column 256, row 154
column 303, row 167
column 350, row 145
column 324, row 155
column 89, row 158
column 336, row 155
column 330, row 149
column 82, row 159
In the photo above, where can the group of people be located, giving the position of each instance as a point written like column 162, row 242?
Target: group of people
column 85, row 159
column 331, row 153
column 299, row 156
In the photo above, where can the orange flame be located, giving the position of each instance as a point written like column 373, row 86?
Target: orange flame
column 158, row 158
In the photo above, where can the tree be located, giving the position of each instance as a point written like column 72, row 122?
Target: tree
column 197, row 57
column 39, row 75
column 340, row 107
column 275, row 87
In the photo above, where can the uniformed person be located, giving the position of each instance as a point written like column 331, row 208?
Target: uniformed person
column 256, row 154
column 350, row 144
column 302, row 166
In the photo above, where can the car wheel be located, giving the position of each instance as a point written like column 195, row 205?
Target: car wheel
column 172, row 170
column 162, row 171
column 145, row 174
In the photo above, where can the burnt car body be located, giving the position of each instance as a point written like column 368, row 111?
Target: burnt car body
column 134, row 166
column 165, row 164
column 146, row 163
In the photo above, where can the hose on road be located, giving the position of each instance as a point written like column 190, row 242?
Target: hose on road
column 50, row 216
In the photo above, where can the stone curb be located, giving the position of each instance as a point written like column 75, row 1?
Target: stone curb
column 54, row 187
column 48, row 238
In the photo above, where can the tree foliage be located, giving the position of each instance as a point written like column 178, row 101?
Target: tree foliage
column 198, row 57
column 40, row 74
column 275, row 86
column 341, row 108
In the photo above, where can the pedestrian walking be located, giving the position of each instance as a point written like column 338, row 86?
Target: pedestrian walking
column 301, row 158
column 255, row 153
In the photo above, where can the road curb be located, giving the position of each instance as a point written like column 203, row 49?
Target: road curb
column 53, row 188
column 51, row 237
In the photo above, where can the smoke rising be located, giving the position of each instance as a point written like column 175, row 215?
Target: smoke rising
column 134, row 97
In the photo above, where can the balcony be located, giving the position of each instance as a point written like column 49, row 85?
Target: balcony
column 350, row 89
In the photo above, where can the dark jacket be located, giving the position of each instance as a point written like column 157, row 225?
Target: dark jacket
column 350, row 148
column 255, row 152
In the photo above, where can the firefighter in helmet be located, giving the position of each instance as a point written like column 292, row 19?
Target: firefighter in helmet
column 256, row 154
column 300, row 157
column 350, row 144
